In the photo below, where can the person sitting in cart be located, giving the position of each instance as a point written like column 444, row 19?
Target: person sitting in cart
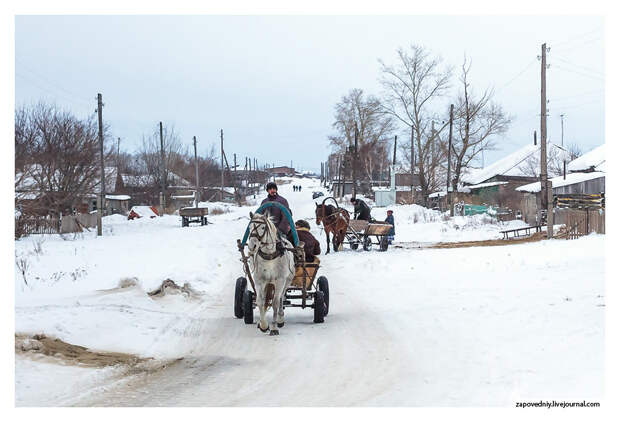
column 361, row 211
column 312, row 248
column 390, row 220
column 279, row 219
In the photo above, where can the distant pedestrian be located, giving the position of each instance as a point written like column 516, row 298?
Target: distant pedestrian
column 390, row 220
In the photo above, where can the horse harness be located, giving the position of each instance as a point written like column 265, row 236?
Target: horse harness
column 266, row 256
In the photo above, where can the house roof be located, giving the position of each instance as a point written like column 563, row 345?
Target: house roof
column 594, row 159
column 514, row 164
column 557, row 182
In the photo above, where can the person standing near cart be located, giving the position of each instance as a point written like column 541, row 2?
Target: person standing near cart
column 361, row 210
column 390, row 220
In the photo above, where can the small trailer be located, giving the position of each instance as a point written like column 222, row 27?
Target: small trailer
column 193, row 215
column 361, row 232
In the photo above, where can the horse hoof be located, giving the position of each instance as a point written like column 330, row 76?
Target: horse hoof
column 274, row 332
column 280, row 324
column 264, row 331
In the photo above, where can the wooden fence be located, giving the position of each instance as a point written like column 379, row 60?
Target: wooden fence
column 27, row 225
column 580, row 222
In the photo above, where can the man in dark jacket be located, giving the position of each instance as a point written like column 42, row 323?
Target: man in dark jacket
column 361, row 211
column 390, row 220
column 279, row 218
column 312, row 247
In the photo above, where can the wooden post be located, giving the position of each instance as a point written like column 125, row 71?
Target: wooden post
column 549, row 210
column 162, row 170
column 197, row 196
column 543, row 125
column 222, row 162
column 448, row 193
column 101, row 201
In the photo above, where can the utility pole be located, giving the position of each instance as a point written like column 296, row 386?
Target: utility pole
column 412, row 162
column 102, row 193
column 118, row 152
column 544, row 188
column 162, row 170
column 534, row 137
column 222, row 162
column 197, row 196
column 354, row 173
column 448, row 193
column 563, row 152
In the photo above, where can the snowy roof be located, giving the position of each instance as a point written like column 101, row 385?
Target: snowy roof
column 513, row 164
column 110, row 180
column 143, row 211
column 571, row 178
column 486, row 185
column 594, row 159
column 141, row 180
column 118, row 197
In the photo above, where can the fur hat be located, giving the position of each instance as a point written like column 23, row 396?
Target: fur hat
column 271, row 185
column 302, row 223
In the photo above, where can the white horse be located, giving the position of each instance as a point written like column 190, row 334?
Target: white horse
column 273, row 270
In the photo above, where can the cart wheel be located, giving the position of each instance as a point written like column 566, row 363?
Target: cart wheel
column 248, row 309
column 239, row 289
column 354, row 246
column 182, row 221
column 319, row 307
column 323, row 285
column 367, row 243
column 383, row 244
column 202, row 221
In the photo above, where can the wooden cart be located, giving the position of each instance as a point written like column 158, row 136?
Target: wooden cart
column 361, row 232
column 305, row 291
column 193, row 215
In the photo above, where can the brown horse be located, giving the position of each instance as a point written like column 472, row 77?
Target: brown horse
column 335, row 221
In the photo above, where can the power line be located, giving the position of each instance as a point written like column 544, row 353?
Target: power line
column 584, row 68
column 517, row 76
column 53, row 85
column 578, row 46
column 579, row 73
column 577, row 37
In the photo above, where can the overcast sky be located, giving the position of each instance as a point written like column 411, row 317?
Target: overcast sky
column 271, row 82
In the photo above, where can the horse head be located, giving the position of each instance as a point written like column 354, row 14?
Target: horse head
column 319, row 213
column 262, row 231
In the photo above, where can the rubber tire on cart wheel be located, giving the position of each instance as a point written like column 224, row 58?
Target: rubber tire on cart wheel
column 248, row 309
column 383, row 244
column 367, row 243
column 240, row 287
column 323, row 286
column 319, row 307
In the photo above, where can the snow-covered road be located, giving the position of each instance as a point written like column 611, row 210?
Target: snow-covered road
column 427, row 327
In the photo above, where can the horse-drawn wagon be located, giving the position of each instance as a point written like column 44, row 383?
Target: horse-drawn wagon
column 304, row 290
column 338, row 222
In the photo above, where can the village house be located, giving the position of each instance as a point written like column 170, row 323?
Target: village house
column 586, row 177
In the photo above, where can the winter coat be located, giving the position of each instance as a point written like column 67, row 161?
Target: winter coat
column 390, row 220
column 362, row 211
column 312, row 247
column 279, row 219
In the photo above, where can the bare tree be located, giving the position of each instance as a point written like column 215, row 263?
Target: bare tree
column 477, row 121
column 149, row 155
column 57, row 157
column 411, row 87
column 374, row 127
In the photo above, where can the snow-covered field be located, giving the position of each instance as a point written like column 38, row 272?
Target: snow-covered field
column 407, row 327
